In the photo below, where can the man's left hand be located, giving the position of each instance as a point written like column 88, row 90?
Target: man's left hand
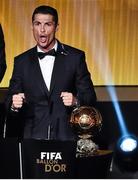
column 68, row 98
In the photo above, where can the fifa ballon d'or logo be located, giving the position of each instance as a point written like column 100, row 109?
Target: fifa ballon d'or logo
column 52, row 162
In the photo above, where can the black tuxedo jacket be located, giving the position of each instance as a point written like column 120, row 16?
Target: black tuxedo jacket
column 2, row 55
column 45, row 115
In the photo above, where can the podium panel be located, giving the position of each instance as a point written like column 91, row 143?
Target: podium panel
column 48, row 159
column 9, row 159
column 43, row 159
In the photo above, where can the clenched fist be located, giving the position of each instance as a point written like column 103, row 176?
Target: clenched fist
column 17, row 100
column 68, row 99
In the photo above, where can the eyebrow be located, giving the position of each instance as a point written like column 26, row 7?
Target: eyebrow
column 43, row 22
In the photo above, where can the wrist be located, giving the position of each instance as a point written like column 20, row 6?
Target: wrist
column 76, row 102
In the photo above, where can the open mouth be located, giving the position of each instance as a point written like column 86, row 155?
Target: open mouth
column 43, row 38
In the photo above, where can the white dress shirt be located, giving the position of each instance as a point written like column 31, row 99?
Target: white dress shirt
column 46, row 65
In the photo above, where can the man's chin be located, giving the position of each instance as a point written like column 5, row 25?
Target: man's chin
column 43, row 46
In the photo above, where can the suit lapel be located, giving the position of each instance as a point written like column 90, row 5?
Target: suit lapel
column 58, row 69
column 37, row 72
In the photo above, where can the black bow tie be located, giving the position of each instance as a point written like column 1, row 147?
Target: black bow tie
column 41, row 55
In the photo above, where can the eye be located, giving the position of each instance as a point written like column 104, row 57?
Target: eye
column 48, row 24
column 36, row 23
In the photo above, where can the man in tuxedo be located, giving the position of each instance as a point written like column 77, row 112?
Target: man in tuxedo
column 48, row 81
column 2, row 55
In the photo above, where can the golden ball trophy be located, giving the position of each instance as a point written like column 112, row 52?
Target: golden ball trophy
column 86, row 122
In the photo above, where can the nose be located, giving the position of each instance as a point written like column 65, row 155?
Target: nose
column 42, row 28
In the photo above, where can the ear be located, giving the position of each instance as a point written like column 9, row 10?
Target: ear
column 57, row 27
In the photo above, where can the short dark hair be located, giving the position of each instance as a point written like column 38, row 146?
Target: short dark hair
column 46, row 10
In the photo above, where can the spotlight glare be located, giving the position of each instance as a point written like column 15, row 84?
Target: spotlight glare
column 126, row 153
column 128, row 144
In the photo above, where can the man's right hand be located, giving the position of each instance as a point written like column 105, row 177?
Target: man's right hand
column 17, row 100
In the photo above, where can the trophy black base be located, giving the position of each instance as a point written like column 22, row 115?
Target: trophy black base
column 94, row 167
